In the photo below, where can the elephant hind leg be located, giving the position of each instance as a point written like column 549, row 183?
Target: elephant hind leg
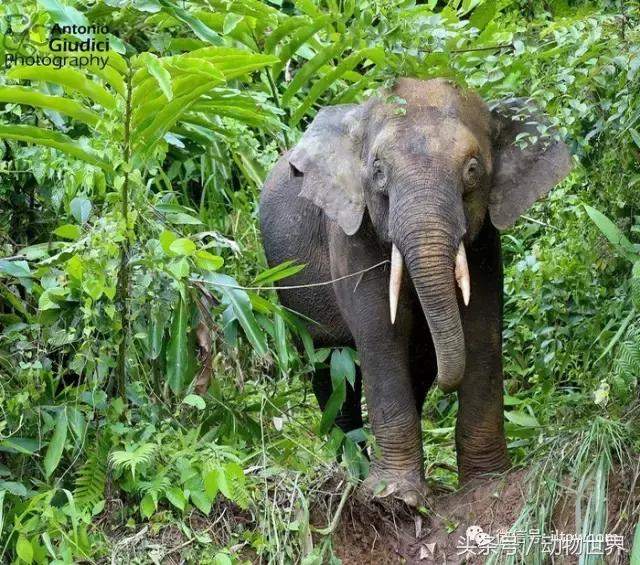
column 350, row 416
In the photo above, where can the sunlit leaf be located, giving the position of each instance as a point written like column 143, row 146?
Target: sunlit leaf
column 64, row 143
column 24, row 95
column 71, row 79
column 56, row 445
column 177, row 353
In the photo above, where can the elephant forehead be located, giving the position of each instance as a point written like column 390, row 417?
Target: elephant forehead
column 447, row 139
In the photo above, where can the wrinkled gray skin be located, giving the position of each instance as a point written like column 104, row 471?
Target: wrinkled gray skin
column 429, row 174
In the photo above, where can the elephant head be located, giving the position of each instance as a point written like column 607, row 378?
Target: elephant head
column 428, row 172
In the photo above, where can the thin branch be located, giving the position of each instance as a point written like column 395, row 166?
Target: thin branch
column 123, row 272
column 467, row 49
column 336, row 517
column 488, row 48
column 14, row 258
column 294, row 286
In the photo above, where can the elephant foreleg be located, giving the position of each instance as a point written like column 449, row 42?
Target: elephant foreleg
column 383, row 348
column 480, row 440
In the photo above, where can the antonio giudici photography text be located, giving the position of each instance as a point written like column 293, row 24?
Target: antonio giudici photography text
column 69, row 45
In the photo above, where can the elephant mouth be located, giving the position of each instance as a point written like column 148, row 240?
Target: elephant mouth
column 461, row 273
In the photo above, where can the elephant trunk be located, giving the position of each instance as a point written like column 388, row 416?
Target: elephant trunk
column 428, row 236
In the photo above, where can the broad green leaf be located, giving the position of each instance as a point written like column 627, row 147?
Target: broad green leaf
column 40, row 250
column 290, row 25
column 18, row 269
column 342, row 367
column 375, row 54
column 257, row 9
column 68, row 231
column 166, row 239
column 512, row 400
column 151, row 108
column 192, row 71
column 24, row 445
column 64, row 143
column 298, row 38
column 333, row 406
column 222, row 559
column 195, row 400
column 179, row 268
column 169, row 115
column 158, row 72
column 147, row 506
column 635, row 135
column 232, row 483
column 231, row 21
column 15, row 488
column 94, row 285
column 211, row 483
column 24, row 549
column 56, row 445
column 62, row 14
column 243, row 32
column 197, row 26
column 201, row 501
column 77, row 424
column 244, row 107
column 296, row 324
column 177, row 353
column 241, row 305
column 183, row 246
column 279, row 272
column 612, row 233
column 207, row 261
column 483, row 14
column 233, row 62
column 80, row 209
column 159, row 319
column 112, row 77
column 521, row 419
column 635, row 548
column 49, row 298
column 74, row 267
column 70, row 79
column 309, row 69
column 280, row 335
column 175, row 496
column 24, row 95
column 180, row 218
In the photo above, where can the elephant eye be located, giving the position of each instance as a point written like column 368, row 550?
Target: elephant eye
column 472, row 172
column 379, row 175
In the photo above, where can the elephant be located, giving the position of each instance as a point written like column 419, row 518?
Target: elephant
column 420, row 178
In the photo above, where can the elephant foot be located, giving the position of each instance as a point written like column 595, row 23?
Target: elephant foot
column 409, row 487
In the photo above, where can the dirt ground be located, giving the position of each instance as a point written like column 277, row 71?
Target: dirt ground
column 369, row 534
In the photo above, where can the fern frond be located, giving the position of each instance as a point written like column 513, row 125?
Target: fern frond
column 130, row 459
column 627, row 361
column 155, row 487
column 92, row 477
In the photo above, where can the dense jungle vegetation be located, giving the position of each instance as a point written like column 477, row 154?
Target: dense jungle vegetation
column 151, row 410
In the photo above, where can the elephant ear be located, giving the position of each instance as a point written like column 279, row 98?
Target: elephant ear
column 528, row 161
column 328, row 158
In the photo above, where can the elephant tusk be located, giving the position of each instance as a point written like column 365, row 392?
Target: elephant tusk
column 462, row 274
column 395, row 280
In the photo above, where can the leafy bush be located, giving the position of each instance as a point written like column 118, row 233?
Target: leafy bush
column 140, row 384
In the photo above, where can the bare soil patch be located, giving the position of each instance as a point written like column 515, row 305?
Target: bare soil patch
column 370, row 534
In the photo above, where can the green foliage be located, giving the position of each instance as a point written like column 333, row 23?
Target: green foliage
column 137, row 376
column 91, row 478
